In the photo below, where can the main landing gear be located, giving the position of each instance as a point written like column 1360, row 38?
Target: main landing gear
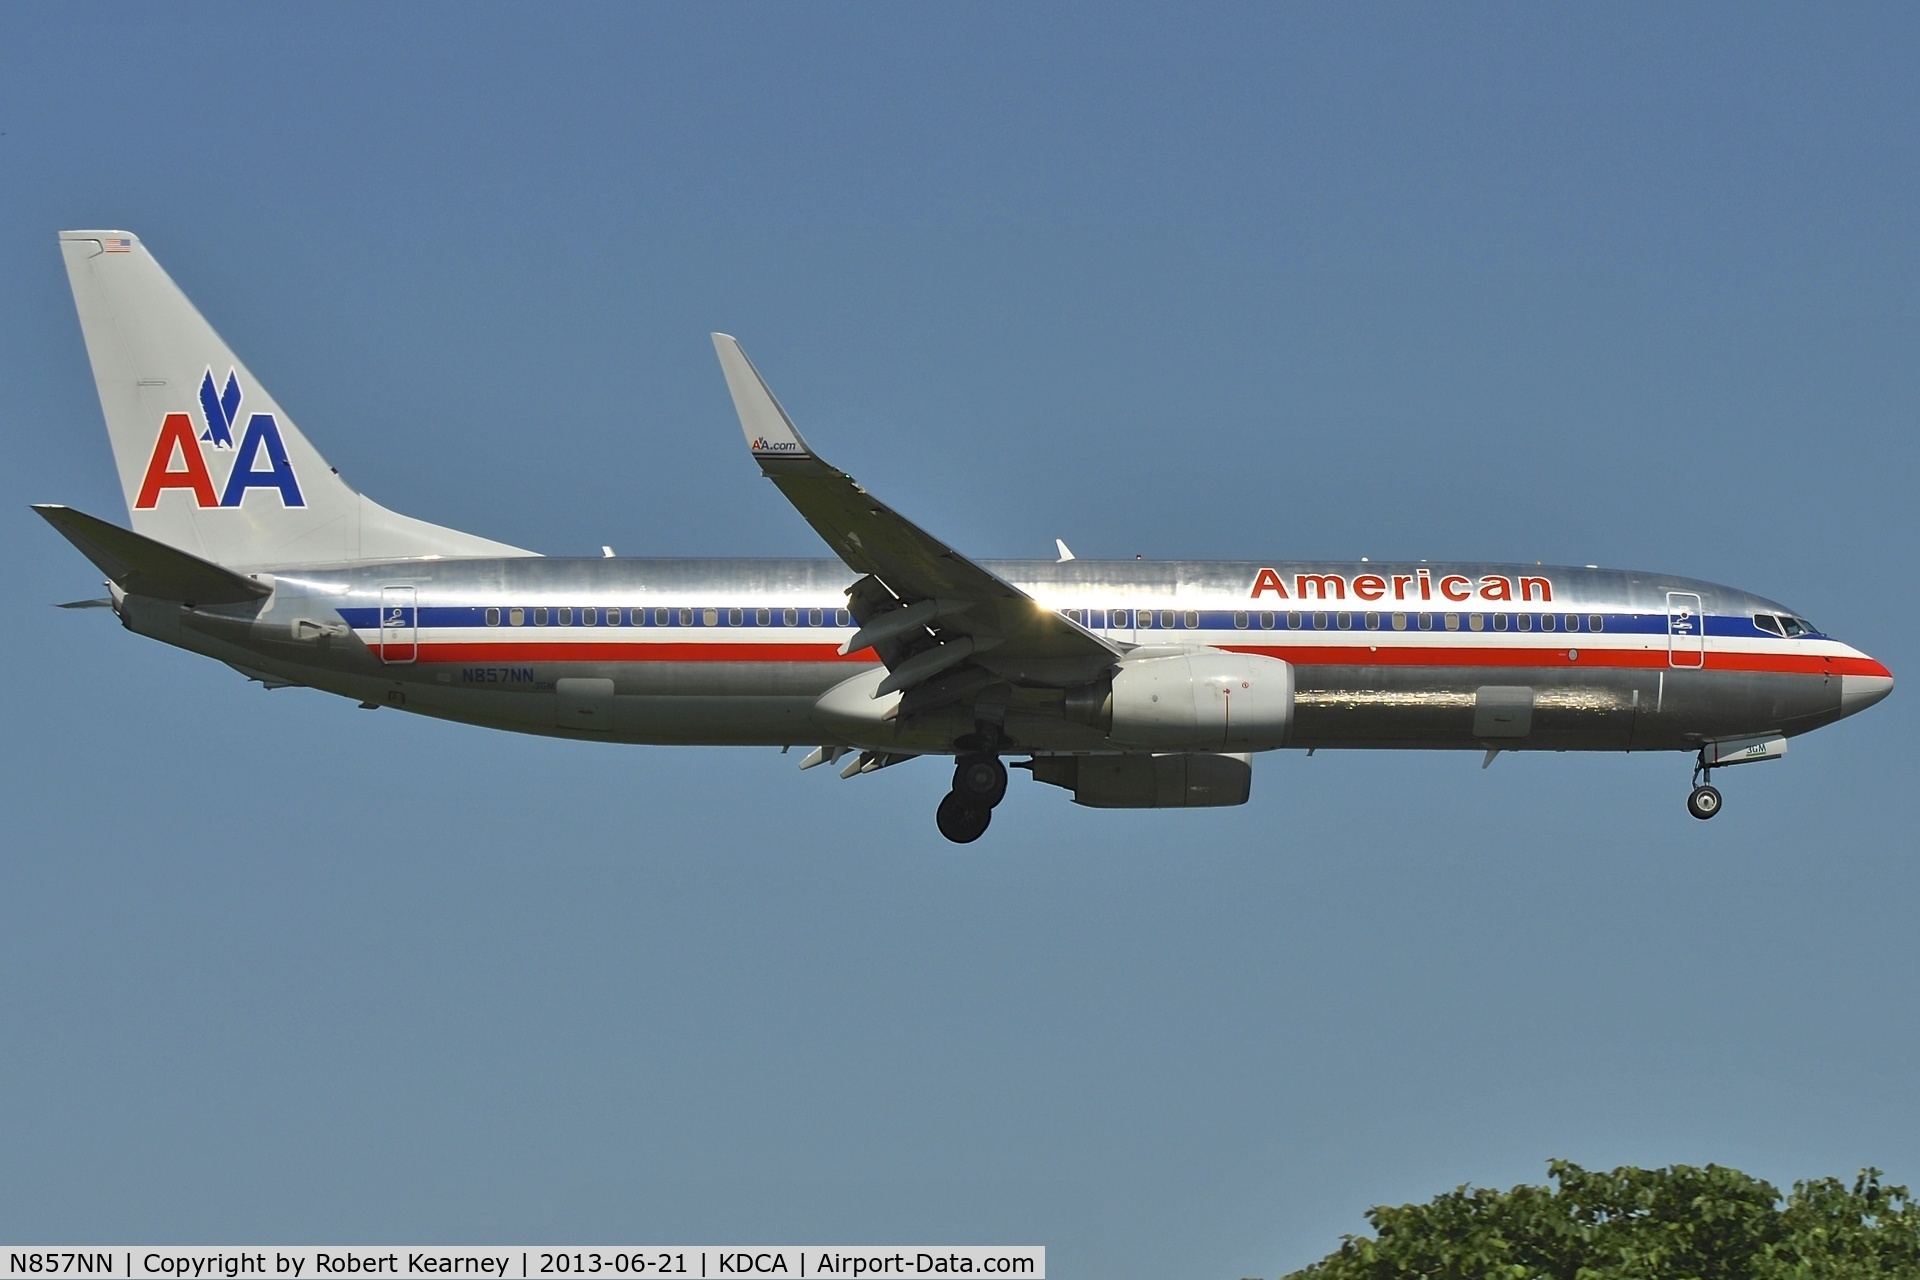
column 1704, row 801
column 979, row 783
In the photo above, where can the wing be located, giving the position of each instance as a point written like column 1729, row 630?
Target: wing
column 939, row 621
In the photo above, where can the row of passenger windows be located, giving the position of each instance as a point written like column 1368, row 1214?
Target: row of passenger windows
column 1168, row 620
column 1098, row 619
column 566, row 616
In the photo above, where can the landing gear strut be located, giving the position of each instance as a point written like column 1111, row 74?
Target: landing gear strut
column 1704, row 801
column 979, row 783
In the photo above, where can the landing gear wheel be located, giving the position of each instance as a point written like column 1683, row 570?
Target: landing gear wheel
column 962, row 819
column 1704, row 802
column 980, row 777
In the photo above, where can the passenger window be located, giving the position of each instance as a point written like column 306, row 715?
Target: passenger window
column 539, row 617
column 1118, row 619
column 841, row 618
column 1399, row 622
column 1476, row 622
column 1193, row 620
column 1426, row 622
column 762, row 618
column 1453, row 622
column 1293, row 622
column 789, row 617
column 1546, row 622
column 733, row 617
column 566, row 617
column 813, row 617
column 1499, row 622
column 686, row 617
column 1596, row 622
column 1319, row 622
column 1266, row 622
column 1166, row 619
column 1373, row 622
column 588, row 617
column 1346, row 621
column 1768, row 623
column 1573, row 622
column 1523, row 622
column 493, row 617
column 1240, row 621
column 710, row 618
column 516, row 617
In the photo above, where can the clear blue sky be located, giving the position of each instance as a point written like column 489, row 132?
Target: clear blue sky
column 1634, row 287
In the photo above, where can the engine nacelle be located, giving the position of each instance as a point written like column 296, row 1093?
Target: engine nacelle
column 1200, row 700
column 1179, row 781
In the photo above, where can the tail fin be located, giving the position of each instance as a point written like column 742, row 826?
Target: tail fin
column 209, row 463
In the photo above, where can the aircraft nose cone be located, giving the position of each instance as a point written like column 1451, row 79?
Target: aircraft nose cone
column 1857, row 693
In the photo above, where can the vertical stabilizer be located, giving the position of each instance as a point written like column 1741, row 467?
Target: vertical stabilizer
column 208, row 462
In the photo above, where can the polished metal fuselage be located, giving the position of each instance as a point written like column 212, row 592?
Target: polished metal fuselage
column 739, row 651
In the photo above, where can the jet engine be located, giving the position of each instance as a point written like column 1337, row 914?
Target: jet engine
column 1200, row 700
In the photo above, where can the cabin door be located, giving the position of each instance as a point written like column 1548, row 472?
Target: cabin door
column 1686, row 630
column 399, row 625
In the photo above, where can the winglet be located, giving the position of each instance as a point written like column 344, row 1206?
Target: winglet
column 770, row 432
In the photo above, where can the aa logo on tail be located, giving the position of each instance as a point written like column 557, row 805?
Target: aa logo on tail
column 180, row 454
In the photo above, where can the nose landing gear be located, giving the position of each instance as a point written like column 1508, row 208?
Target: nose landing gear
column 1704, row 801
column 979, row 783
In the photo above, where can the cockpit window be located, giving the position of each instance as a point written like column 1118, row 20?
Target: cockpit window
column 1797, row 626
column 1768, row 623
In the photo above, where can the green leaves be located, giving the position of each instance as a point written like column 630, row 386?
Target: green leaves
column 1677, row 1223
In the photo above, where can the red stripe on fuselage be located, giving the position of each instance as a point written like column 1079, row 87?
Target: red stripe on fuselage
column 1813, row 664
column 1299, row 655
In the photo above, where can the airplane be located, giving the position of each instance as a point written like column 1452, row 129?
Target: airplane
column 1130, row 684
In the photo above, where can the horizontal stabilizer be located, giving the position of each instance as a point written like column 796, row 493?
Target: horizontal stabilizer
column 141, row 566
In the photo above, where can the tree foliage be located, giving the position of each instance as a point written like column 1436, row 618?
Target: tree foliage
column 1678, row 1223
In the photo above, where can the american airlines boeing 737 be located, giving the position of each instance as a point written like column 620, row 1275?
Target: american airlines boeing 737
column 1130, row 684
